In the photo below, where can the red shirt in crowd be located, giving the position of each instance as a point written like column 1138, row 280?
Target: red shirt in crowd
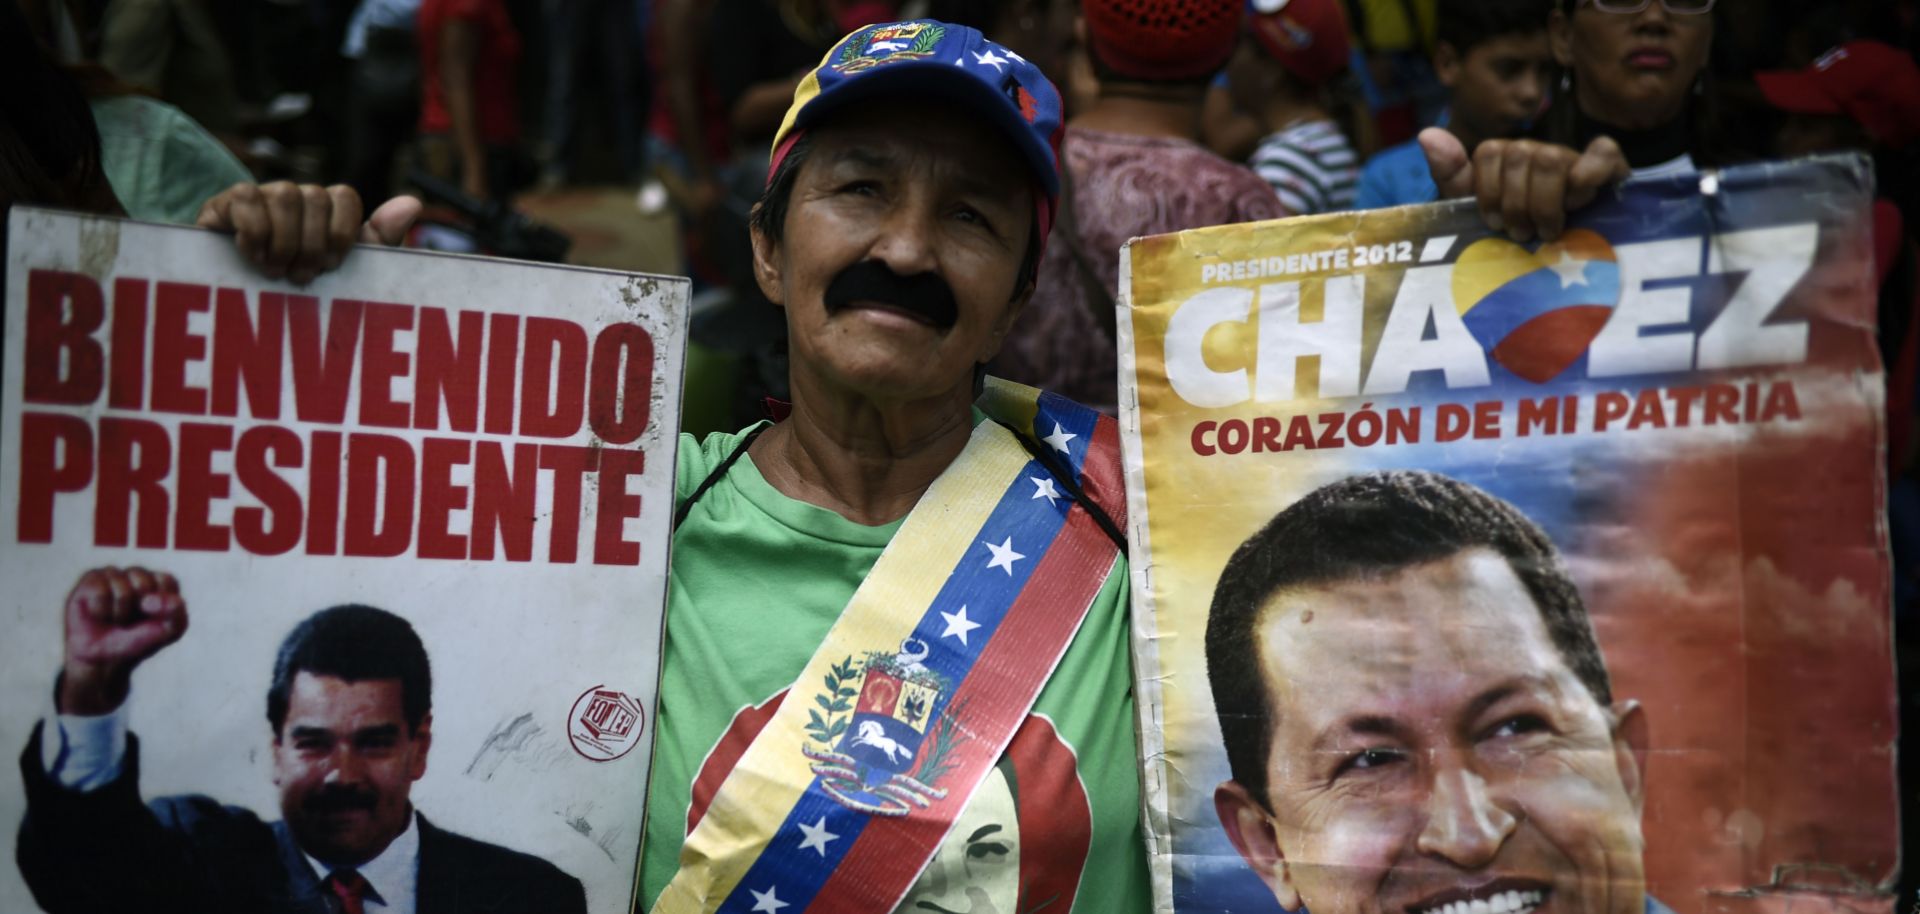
column 494, row 71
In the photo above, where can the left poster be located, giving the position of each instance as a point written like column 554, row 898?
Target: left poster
column 364, row 577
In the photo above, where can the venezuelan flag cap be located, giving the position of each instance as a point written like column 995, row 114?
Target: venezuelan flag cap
column 936, row 59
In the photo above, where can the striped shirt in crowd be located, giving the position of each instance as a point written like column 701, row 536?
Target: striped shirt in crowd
column 1311, row 166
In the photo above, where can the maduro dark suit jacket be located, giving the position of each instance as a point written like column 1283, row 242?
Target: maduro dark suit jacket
column 106, row 851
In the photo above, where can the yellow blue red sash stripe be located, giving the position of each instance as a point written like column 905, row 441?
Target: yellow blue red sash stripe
column 918, row 688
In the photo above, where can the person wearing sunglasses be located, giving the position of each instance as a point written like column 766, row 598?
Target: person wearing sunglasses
column 1631, row 102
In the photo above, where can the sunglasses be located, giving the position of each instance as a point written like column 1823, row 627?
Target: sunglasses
column 1630, row 7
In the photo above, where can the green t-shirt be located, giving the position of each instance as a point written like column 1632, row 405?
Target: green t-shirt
column 161, row 164
column 757, row 580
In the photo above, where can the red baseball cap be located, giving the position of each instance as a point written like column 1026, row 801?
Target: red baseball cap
column 1876, row 85
column 1163, row 39
column 1308, row 37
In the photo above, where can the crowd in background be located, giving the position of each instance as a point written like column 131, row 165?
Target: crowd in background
column 1181, row 114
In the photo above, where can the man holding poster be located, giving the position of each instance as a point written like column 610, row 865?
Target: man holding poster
column 1416, row 712
column 350, row 706
column 895, row 673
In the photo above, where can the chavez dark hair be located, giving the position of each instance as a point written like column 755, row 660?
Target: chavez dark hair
column 769, row 216
column 1464, row 24
column 355, row 643
column 1365, row 527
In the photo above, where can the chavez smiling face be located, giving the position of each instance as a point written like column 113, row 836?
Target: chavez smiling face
column 1432, row 754
column 900, row 254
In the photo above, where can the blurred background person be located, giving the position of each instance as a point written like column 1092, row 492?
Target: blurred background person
column 1132, row 164
column 1393, row 48
column 1493, row 58
column 160, row 164
column 1283, row 75
column 173, row 49
column 1636, row 98
column 1039, row 30
column 49, row 146
column 1637, row 71
column 607, row 37
column 469, row 101
column 383, row 68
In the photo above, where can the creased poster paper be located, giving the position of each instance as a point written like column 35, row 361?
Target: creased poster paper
column 1573, row 590
column 482, row 449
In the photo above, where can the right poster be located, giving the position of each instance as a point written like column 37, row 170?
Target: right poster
column 1478, row 577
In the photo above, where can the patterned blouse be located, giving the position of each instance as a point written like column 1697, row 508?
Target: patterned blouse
column 1122, row 187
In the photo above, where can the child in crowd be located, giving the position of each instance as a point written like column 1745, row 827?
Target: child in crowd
column 1494, row 59
column 1281, row 74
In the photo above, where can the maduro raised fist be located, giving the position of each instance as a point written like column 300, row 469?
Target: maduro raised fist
column 115, row 618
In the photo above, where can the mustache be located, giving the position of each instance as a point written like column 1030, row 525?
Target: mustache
column 336, row 798
column 926, row 295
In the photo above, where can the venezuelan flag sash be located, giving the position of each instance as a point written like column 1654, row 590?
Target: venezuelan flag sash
column 843, row 798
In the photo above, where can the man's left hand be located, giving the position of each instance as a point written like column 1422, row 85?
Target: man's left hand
column 298, row 231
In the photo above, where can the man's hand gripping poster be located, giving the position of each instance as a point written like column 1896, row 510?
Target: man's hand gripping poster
column 1473, row 577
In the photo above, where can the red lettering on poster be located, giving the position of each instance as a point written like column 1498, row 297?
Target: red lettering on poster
column 234, row 481
column 246, row 354
column 175, row 346
column 439, row 497
column 322, row 366
column 617, row 505
column 503, row 501
column 198, row 487
column 381, row 364
column 552, row 392
column 449, row 371
column 620, row 396
column 379, row 509
column 56, row 455
column 63, row 362
column 135, row 457
column 274, row 527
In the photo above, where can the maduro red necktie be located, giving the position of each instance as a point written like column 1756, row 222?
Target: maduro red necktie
column 352, row 889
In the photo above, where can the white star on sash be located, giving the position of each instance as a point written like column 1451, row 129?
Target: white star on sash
column 1003, row 555
column 767, row 901
column 1059, row 438
column 990, row 59
column 1572, row 272
column 958, row 625
column 817, row 835
column 1043, row 488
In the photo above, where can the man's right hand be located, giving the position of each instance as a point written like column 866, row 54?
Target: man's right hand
column 1525, row 188
column 115, row 619
column 298, row 231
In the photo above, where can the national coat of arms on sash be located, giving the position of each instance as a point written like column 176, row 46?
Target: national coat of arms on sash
column 881, row 745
